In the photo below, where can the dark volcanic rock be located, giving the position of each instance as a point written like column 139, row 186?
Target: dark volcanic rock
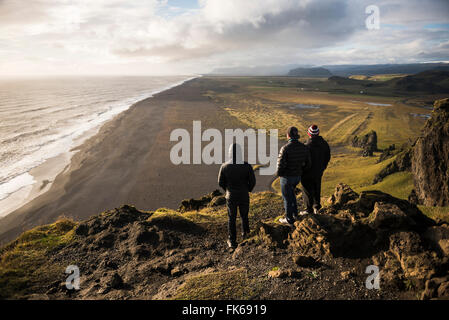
column 305, row 261
column 115, row 281
column 407, row 246
column 413, row 197
column 217, row 201
column 343, row 193
column 356, row 225
column 387, row 153
column 417, row 263
column 430, row 158
column 274, row 234
column 197, row 204
column 368, row 143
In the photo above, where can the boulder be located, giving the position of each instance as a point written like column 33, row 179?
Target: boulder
column 274, row 234
column 439, row 237
column 343, row 193
column 389, row 216
column 114, row 281
column 304, row 261
column 197, row 204
column 417, row 264
column 217, row 201
column 436, row 288
column 278, row 273
column 310, row 238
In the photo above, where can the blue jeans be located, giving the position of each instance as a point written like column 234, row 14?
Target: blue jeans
column 288, row 185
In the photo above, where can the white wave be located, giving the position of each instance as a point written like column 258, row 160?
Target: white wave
column 63, row 130
column 15, row 184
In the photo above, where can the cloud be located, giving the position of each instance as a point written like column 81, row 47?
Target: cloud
column 218, row 33
column 221, row 26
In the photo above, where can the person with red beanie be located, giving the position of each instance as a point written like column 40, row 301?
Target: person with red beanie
column 311, row 179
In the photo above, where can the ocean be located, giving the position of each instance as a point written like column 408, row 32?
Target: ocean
column 41, row 119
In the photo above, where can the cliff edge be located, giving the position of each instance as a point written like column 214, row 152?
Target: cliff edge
column 430, row 158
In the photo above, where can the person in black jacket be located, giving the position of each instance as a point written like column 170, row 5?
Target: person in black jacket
column 294, row 159
column 311, row 179
column 237, row 178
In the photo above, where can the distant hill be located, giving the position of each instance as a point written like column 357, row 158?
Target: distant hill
column 434, row 81
column 272, row 70
column 310, row 72
column 370, row 70
column 342, row 81
column 428, row 82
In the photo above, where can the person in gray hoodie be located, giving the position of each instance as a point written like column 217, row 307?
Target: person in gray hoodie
column 237, row 178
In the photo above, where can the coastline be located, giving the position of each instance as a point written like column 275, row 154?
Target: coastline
column 127, row 162
column 44, row 173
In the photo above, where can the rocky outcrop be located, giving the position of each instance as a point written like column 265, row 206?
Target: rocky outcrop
column 126, row 253
column 273, row 234
column 409, row 248
column 214, row 198
column 430, row 158
column 387, row 153
column 343, row 193
column 368, row 143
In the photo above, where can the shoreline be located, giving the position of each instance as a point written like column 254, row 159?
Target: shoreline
column 127, row 162
column 46, row 172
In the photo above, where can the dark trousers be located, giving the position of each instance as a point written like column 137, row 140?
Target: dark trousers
column 288, row 185
column 243, row 207
column 311, row 187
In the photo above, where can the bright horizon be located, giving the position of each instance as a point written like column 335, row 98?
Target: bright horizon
column 168, row 37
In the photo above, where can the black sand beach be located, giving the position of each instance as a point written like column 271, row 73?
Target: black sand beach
column 128, row 162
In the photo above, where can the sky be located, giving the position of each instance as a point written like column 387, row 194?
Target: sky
column 167, row 37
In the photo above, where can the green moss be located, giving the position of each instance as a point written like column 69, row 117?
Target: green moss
column 399, row 185
column 235, row 285
column 23, row 261
column 436, row 212
column 261, row 204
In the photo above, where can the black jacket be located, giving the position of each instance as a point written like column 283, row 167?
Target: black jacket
column 293, row 160
column 321, row 155
column 237, row 180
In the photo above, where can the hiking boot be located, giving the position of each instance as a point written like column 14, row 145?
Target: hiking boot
column 284, row 221
column 231, row 244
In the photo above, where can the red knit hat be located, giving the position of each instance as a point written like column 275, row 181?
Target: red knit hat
column 313, row 130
